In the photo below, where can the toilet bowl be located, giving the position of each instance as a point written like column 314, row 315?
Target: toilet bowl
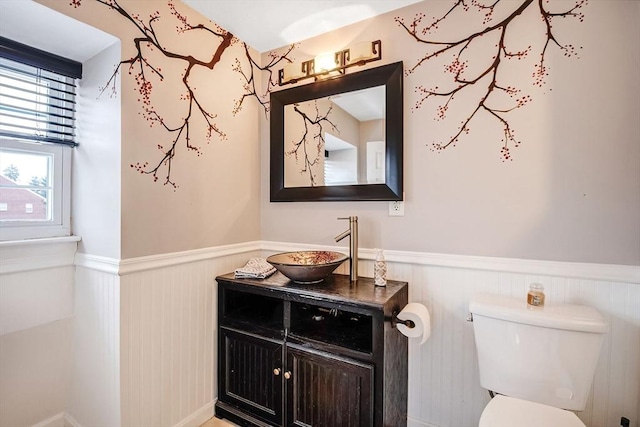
column 504, row 411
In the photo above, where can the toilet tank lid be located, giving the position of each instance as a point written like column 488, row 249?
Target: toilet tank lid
column 558, row 316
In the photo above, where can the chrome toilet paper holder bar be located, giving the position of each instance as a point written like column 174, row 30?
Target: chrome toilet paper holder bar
column 394, row 321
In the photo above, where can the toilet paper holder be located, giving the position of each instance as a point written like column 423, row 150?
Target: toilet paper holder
column 395, row 321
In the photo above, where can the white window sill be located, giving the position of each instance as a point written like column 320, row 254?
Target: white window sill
column 40, row 241
column 37, row 254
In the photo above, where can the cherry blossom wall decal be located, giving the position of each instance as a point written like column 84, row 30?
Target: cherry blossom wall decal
column 254, row 68
column 144, row 68
column 486, row 79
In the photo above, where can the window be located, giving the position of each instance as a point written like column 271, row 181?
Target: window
column 37, row 133
column 38, row 177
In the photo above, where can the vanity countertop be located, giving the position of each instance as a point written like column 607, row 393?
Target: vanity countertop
column 336, row 287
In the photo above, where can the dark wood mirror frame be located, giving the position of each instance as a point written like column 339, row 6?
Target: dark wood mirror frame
column 389, row 76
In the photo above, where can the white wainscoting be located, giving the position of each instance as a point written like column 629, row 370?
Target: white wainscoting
column 37, row 282
column 36, row 314
column 145, row 332
column 94, row 396
column 167, row 338
column 444, row 386
column 443, row 379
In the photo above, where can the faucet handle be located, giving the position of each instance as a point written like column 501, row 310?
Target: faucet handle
column 350, row 218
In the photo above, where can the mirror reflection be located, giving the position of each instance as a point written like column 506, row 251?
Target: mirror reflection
column 336, row 140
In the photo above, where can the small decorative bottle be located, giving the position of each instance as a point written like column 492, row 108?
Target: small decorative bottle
column 380, row 269
column 535, row 297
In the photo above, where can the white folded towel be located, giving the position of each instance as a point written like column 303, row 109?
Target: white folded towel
column 255, row 268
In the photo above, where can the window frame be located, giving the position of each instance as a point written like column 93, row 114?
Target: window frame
column 60, row 223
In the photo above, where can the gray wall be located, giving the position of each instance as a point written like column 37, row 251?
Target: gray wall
column 572, row 191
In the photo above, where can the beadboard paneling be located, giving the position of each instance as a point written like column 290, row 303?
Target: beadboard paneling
column 35, row 298
column 34, row 373
column 36, row 315
column 168, row 340
column 444, row 387
column 94, row 398
column 36, row 282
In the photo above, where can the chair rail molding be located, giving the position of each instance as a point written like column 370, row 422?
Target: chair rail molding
column 578, row 270
column 151, row 262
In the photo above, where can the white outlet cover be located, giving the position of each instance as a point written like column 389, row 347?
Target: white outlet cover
column 396, row 208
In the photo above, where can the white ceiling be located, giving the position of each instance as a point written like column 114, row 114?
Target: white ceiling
column 269, row 24
column 263, row 24
column 35, row 25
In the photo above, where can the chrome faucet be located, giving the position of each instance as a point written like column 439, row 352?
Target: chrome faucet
column 353, row 246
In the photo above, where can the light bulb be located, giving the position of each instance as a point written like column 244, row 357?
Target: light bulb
column 325, row 62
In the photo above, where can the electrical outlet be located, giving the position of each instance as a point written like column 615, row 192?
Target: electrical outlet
column 396, row 208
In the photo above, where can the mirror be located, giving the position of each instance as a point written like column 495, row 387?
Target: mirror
column 339, row 139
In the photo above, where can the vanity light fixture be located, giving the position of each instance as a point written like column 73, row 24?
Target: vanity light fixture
column 331, row 64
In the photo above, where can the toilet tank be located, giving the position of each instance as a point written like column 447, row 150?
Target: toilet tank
column 542, row 354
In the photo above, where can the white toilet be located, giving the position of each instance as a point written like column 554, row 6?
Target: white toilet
column 540, row 361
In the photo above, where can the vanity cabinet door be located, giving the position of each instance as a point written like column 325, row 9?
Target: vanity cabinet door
column 251, row 370
column 327, row 391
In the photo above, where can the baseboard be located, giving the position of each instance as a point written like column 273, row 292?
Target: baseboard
column 69, row 421
column 199, row 417
column 412, row 422
column 55, row 421
column 196, row 419
column 58, row 420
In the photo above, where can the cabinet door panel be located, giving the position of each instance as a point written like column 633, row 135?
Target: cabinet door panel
column 249, row 381
column 325, row 391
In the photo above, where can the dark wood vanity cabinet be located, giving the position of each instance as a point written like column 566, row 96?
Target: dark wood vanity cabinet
column 317, row 355
column 250, row 383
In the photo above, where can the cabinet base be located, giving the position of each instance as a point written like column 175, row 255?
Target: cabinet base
column 235, row 415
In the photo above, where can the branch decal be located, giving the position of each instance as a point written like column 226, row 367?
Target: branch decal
column 311, row 149
column 142, row 66
column 249, row 81
column 485, row 78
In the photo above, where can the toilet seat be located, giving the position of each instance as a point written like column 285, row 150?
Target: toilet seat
column 504, row 411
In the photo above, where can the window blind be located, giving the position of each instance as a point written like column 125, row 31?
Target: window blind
column 36, row 104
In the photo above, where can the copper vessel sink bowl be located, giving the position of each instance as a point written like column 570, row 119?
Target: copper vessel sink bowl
column 307, row 266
